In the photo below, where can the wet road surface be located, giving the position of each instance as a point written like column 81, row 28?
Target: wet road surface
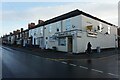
column 19, row 64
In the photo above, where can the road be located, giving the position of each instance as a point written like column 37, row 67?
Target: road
column 20, row 64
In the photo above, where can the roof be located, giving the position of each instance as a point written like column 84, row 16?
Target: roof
column 66, row 16
column 61, row 17
column 69, row 15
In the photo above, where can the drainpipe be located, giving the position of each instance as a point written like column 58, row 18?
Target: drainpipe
column 43, row 37
column 75, row 38
column 116, row 41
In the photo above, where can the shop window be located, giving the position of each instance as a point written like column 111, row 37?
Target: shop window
column 62, row 41
column 52, row 38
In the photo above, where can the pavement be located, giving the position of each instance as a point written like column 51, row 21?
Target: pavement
column 51, row 54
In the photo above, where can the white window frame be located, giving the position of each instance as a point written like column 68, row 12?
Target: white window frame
column 62, row 41
column 109, row 30
column 67, row 24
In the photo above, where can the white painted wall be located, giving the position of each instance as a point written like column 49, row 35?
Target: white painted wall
column 49, row 31
column 33, row 33
column 73, row 23
column 12, row 39
column 79, row 43
column 102, row 40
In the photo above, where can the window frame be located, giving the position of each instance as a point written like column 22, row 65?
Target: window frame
column 62, row 41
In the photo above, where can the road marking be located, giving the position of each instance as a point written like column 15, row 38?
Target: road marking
column 73, row 64
column 64, row 62
column 52, row 59
column 108, row 56
column 83, row 67
column 113, row 74
column 55, row 60
column 97, row 70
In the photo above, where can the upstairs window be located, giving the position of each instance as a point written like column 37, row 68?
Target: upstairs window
column 41, row 31
column 67, row 24
column 35, row 32
column 50, row 29
column 89, row 27
column 108, row 30
column 99, row 27
column 57, row 28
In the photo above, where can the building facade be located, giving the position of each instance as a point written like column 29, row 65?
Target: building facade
column 72, row 31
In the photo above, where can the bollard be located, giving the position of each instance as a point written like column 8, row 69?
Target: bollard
column 98, row 50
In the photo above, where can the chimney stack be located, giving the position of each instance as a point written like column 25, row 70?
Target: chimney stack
column 18, row 31
column 31, row 25
column 10, row 33
column 13, row 32
column 21, row 29
column 40, row 21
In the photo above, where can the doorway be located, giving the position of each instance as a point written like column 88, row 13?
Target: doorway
column 70, row 44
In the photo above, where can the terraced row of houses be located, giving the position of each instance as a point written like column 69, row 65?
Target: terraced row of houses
column 69, row 32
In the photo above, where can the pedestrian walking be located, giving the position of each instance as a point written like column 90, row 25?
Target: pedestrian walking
column 89, row 52
column 89, row 48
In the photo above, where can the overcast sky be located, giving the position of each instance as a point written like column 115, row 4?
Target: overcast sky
column 16, row 15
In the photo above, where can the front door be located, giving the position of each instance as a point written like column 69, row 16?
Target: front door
column 118, row 42
column 70, row 42
column 41, row 42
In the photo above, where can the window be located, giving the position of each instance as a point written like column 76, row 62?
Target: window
column 99, row 27
column 52, row 38
column 41, row 31
column 108, row 30
column 67, row 24
column 58, row 27
column 62, row 41
column 50, row 29
column 89, row 28
column 35, row 32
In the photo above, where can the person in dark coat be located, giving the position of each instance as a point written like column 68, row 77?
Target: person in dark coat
column 89, row 48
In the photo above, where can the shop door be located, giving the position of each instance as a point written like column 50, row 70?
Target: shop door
column 70, row 43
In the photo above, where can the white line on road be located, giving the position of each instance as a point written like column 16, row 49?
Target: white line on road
column 86, row 68
column 55, row 60
column 64, row 62
column 83, row 67
column 113, row 74
column 97, row 70
column 73, row 64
